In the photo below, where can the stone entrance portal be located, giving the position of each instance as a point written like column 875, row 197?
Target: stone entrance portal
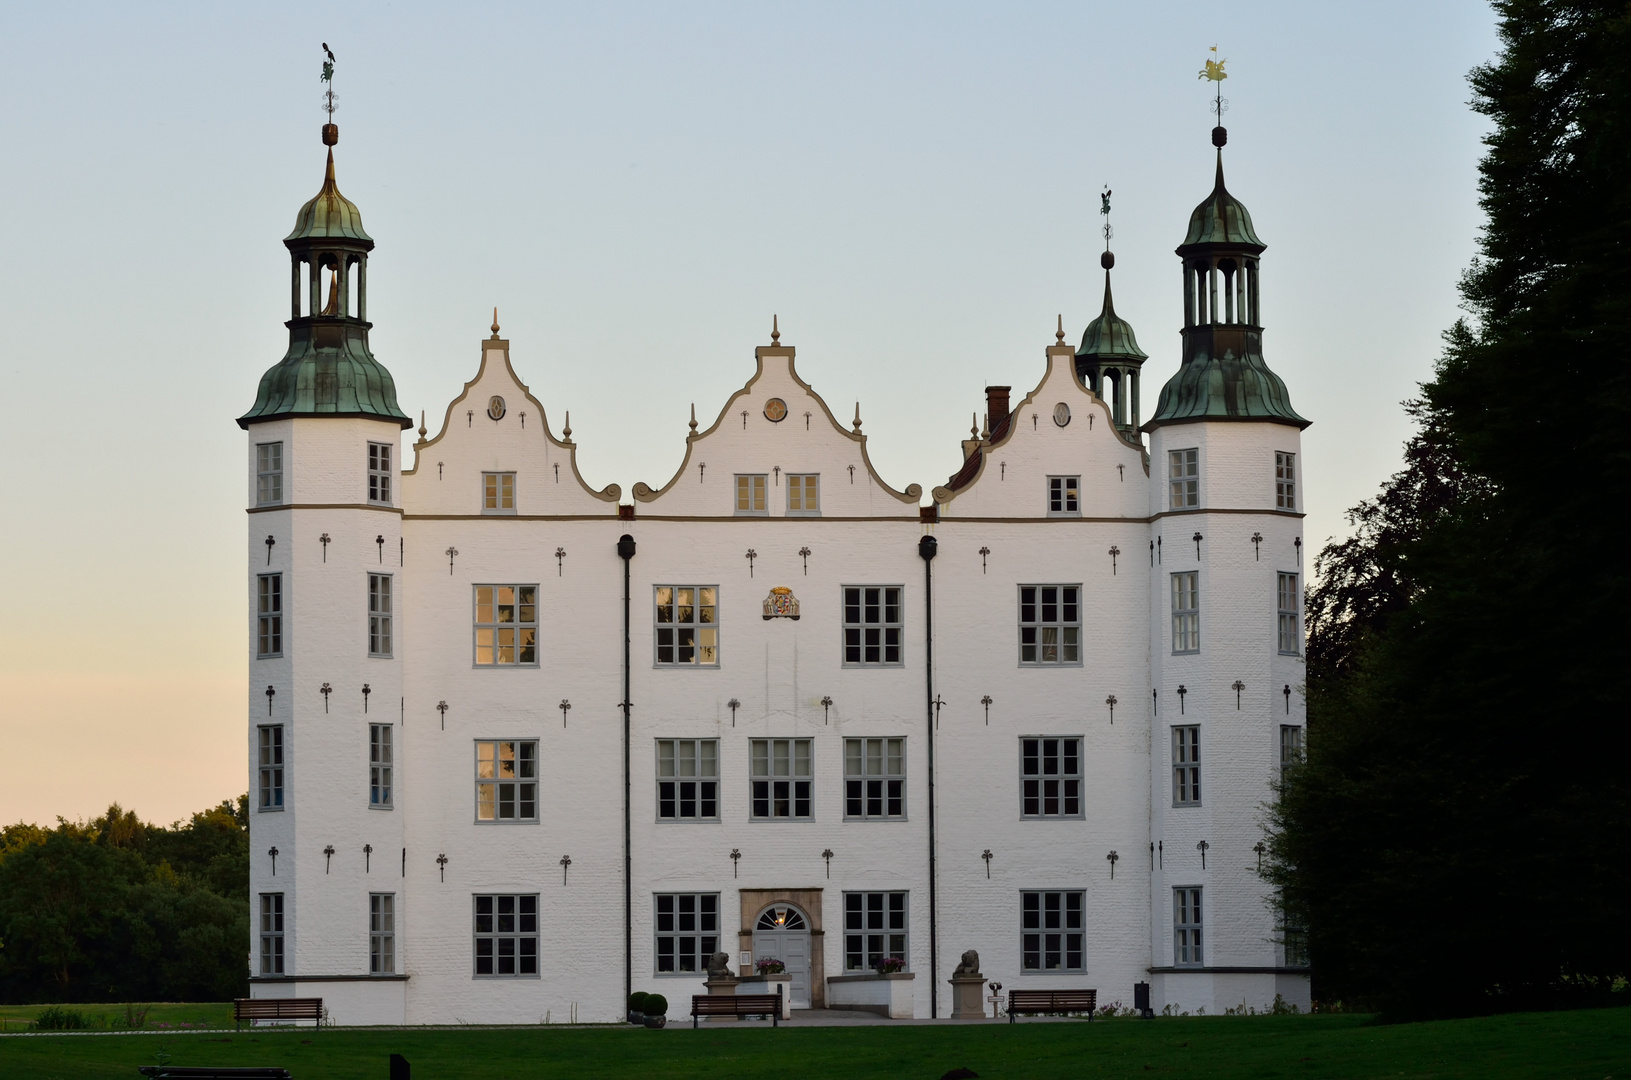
column 786, row 924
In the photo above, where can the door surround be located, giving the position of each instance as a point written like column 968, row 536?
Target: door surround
column 754, row 901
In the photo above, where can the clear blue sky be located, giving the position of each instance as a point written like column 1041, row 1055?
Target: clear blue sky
column 638, row 187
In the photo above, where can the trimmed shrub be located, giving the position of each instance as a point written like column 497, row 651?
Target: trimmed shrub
column 656, row 1005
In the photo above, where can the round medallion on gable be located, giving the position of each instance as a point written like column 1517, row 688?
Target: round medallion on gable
column 1061, row 414
column 495, row 407
column 775, row 410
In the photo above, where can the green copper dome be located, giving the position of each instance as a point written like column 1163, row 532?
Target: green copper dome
column 329, row 215
column 1221, row 219
column 1226, row 387
column 1110, row 337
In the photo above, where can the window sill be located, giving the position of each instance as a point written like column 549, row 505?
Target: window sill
column 498, row 513
column 804, row 513
column 872, row 976
column 269, row 810
column 1053, row 971
column 374, row 806
column 752, row 513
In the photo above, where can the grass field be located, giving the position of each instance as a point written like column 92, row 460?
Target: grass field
column 213, row 1014
column 1587, row 1045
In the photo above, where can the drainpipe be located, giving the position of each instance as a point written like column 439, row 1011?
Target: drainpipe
column 625, row 551
column 927, row 548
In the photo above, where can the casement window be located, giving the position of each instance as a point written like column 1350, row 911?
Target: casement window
column 1052, row 932
column 803, row 494
column 872, row 625
column 268, row 473
column 380, row 766
column 1050, row 777
column 687, row 780
column 270, row 765
column 1184, row 478
column 687, row 931
column 268, row 615
column 1289, row 614
column 1285, row 481
column 506, row 935
column 382, row 933
column 1186, row 612
column 781, row 779
column 507, row 780
column 271, row 933
column 1064, row 496
column 874, row 778
column 1050, row 624
column 498, row 493
column 874, row 930
column 1186, row 927
column 1291, row 747
column 506, row 625
column 379, row 614
column 688, row 625
column 750, row 494
column 1186, row 765
column 379, row 473
column 1294, row 940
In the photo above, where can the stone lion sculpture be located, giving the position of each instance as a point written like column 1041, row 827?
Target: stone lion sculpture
column 969, row 965
column 719, row 966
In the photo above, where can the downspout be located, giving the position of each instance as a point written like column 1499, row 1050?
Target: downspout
column 927, row 548
column 625, row 551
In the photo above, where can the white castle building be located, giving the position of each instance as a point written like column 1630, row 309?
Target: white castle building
column 518, row 748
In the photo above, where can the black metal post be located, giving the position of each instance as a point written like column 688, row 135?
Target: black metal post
column 927, row 548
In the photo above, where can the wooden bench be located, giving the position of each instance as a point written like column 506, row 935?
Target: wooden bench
column 1052, row 1001
column 253, row 1009
column 738, row 1005
column 176, row 1072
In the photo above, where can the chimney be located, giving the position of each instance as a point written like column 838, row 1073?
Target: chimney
column 996, row 407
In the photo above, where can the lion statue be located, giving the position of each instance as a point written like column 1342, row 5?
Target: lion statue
column 969, row 965
column 719, row 966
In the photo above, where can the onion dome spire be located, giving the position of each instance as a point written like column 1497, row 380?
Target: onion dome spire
column 1109, row 359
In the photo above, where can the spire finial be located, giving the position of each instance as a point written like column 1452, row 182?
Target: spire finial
column 974, row 427
column 495, row 323
column 422, row 431
column 566, row 431
column 331, row 133
column 775, row 331
column 693, row 418
column 857, row 424
column 1214, row 72
column 1059, row 334
column 1108, row 259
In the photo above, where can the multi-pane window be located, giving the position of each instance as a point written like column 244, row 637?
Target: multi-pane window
column 1294, row 938
column 874, row 778
column 874, row 930
column 1051, row 777
column 780, row 775
column 750, row 493
column 270, row 764
column 498, row 493
column 507, row 935
column 1186, row 765
column 1050, row 624
column 271, row 933
column 687, row 931
column 804, row 493
column 381, row 933
column 506, row 625
column 1184, row 478
column 269, row 615
column 688, row 624
column 1186, row 612
column 1064, row 495
column 379, row 614
column 379, row 765
column 688, row 780
column 268, row 473
column 1289, row 623
column 379, row 472
column 1291, row 747
column 1186, row 927
column 507, row 780
column 1052, row 933
column 1285, row 481
column 872, row 624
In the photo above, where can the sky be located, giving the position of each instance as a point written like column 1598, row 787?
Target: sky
column 911, row 188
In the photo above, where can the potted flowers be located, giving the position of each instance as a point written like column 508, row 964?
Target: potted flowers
column 769, row 965
column 656, row 1010
column 888, row 965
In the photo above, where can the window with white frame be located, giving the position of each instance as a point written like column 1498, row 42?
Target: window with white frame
column 1285, row 481
column 1186, row 765
column 507, row 780
column 1294, row 940
column 379, row 766
column 379, row 614
column 780, row 774
column 1291, row 747
column 687, row 931
column 506, row 625
column 874, row 778
column 379, row 473
column 1184, row 478
column 269, row 615
column 270, row 758
column 1186, row 927
column 750, row 493
column 382, row 933
column 1289, row 621
column 506, row 935
column 271, row 933
column 268, row 473
column 1050, row 777
column 1050, row 624
column 1064, row 496
column 872, row 625
column 688, row 780
column 803, row 494
column 498, row 493
column 874, row 930
column 687, row 625
column 1052, row 931
column 1186, row 612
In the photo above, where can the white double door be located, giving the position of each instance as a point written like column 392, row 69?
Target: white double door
column 792, row 948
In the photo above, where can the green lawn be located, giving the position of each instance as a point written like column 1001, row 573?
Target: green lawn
column 104, row 1017
column 1589, row 1045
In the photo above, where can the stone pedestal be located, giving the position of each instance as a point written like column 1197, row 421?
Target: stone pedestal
column 966, row 1000
column 723, row 986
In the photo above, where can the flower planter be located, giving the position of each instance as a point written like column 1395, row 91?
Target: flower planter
column 636, row 1017
column 656, row 1021
column 887, row 995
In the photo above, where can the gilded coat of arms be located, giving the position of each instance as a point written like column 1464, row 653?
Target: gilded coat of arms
column 781, row 604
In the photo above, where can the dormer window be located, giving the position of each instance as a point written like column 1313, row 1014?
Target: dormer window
column 498, row 493
column 379, row 473
column 803, row 494
column 750, row 495
column 1064, row 496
